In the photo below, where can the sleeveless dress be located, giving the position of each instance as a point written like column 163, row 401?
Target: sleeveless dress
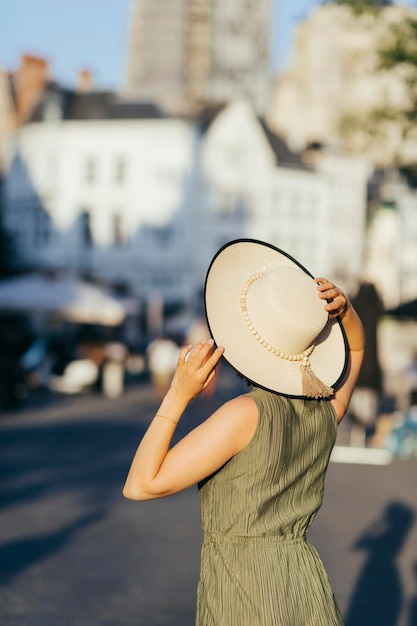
column 257, row 568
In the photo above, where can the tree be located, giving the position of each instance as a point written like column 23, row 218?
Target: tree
column 399, row 52
column 386, row 129
column 360, row 6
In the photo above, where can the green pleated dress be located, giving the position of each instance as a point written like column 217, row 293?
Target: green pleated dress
column 257, row 568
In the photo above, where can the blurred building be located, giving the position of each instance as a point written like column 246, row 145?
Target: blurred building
column 188, row 54
column 20, row 91
column 112, row 189
column 312, row 207
column 334, row 90
column 7, row 118
column 101, row 187
column 391, row 252
column 331, row 94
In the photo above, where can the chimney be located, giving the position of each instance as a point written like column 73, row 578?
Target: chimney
column 85, row 80
column 29, row 81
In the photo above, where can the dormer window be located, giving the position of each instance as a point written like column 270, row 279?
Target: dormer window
column 53, row 108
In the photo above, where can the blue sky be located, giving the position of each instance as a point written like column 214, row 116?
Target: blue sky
column 93, row 33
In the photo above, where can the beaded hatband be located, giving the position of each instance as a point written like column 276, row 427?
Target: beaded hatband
column 312, row 386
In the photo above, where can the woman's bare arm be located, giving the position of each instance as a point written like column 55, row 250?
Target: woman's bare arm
column 339, row 305
column 158, row 470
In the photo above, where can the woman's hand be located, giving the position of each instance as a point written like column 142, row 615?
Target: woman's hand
column 337, row 302
column 195, row 369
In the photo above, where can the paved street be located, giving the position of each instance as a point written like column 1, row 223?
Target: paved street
column 74, row 552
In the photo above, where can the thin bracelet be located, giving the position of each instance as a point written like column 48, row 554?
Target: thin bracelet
column 166, row 418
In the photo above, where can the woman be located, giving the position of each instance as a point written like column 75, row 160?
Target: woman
column 260, row 460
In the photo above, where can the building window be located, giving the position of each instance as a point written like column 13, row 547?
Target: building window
column 119, row 237
column 86, row 236
column 90, row 170
column 53, row 109
column 120, row 171
column 164, row 236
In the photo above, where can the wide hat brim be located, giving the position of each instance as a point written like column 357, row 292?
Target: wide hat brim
column 229, row 270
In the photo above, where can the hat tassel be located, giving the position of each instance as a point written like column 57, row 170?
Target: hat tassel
column 313, row 387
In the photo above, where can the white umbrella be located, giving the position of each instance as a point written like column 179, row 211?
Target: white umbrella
column 73, row 299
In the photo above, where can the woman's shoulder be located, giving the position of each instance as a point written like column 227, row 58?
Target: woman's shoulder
column 264, row 394
column 267, row 401
column 236, row 420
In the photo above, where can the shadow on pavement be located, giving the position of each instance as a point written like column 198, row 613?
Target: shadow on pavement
column 81, row 464
column 71, row 548
column 19, row 554
column 86, row 458
column 377, row 599
column 413, row 604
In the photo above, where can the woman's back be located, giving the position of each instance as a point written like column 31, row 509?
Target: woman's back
column 259, row 460
column 255, row 514
column 275, row 485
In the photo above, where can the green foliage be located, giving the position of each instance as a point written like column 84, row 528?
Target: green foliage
column 399, row 50
column 374, row 123
column 400, row 46
column 362, row 6
column 349, row 124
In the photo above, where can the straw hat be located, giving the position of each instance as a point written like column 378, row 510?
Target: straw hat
column 262, row 306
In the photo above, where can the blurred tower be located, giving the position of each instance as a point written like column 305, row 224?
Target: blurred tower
column 188, row 54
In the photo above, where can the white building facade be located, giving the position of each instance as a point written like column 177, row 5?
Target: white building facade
column 108, row 198
column 317, row 213
column 391, row 252
column 147, row 202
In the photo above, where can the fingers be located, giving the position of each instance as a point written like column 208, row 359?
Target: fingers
column 195, row 369
column 325, row 288
column 336, row 299
column 199, row 351
column 201, row 354
column 209, row 378
column 184, row 353
column 214, row 358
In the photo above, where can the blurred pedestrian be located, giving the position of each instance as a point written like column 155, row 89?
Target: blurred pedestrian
column 162, row 354
column 259, row 460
